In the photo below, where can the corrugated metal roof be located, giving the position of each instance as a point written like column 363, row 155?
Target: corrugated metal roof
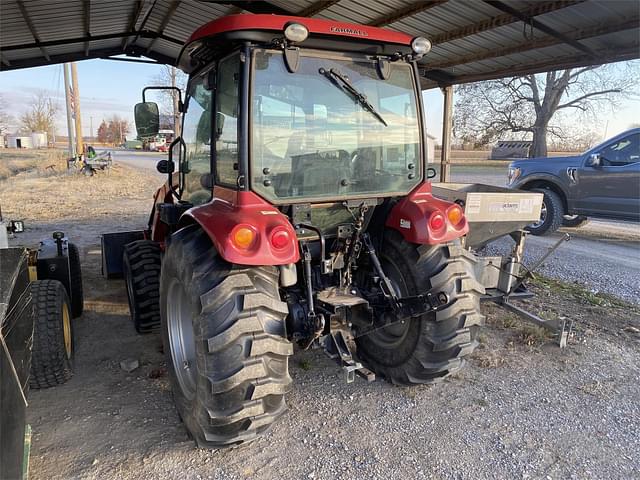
column 471, row 40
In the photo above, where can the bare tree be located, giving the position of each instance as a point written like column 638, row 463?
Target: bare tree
column 532, row 105
column 5, row 118
column 171, row 76
column 41, row 115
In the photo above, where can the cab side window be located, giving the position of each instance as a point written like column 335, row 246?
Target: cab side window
column 623, row 152
column 196, row 133
column 226, row 135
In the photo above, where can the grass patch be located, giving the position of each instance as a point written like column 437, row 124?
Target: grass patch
column 14, row 161
column 578, row 291
column 305, row 364
column 532, row 335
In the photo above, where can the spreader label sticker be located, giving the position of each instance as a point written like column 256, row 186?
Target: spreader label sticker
column 473, row 205
column 526, row 205
column 405, row 223
column 502, row 207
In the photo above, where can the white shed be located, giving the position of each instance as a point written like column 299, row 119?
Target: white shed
column 23, row 140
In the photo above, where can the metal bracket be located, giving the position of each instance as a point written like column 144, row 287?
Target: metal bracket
column 336, row 347
column 562, row 329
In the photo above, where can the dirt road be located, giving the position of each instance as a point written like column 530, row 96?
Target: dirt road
column 521, row 409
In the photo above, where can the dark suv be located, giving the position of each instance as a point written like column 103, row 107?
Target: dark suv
column 602, row 182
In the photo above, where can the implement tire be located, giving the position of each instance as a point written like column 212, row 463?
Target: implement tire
column 77, row 295
column 223, row 332
column 141, row 266
column 53, row 335
column 428, row 348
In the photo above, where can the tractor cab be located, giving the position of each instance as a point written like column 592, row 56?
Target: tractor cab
column 299, row 112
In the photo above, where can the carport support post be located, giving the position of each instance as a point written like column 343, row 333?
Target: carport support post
column 445, row 153
column 67, row 97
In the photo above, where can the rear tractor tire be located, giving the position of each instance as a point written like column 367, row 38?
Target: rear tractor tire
column 141, row 266
column 53, row 335
column 428, row 348
column 223, row 331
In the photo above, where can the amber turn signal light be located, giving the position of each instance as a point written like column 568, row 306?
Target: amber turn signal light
column 243, row 237
column 455, row 214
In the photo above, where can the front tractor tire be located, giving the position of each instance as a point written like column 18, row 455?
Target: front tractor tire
column 223, row 331
column 428, row 348
column 141, row 266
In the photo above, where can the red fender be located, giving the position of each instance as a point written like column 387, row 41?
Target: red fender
column 230, row 208
column 410, row 216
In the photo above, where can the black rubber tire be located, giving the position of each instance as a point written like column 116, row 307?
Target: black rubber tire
column 555, row 212
column 431, row 347
column 240, row 342
column 141, row 267
column 574, row 221
column 51, row 364
column 75, row 270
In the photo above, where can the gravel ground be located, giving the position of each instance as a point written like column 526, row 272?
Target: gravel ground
column 515, row 411
column 613, row 268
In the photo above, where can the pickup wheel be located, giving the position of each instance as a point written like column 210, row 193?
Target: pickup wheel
column 551, row 214
column 574, row 221
column 428, row 348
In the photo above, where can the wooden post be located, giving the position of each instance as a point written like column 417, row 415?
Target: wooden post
column 445, row 154
column 76, row 100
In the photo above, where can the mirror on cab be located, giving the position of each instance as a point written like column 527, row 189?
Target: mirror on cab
column 147, row 119
column 594, row 160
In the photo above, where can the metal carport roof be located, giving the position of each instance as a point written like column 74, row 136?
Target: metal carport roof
column 473, row 40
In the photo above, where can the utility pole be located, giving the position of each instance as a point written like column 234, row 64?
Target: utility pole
column 76, row 98
column 91, row 127
column 67, row 97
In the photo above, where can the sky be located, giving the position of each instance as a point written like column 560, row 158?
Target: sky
column 111, row 87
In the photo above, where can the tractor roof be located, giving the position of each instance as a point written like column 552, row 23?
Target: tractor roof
column 277, row 23
column 322, row 33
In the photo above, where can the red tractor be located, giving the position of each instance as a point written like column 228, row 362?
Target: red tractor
column 298, row 212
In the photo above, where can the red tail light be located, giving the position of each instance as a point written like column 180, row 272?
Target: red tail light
column 280, row 238
column 436, row 221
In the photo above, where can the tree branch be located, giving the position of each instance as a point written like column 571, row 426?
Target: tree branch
column 573, row 102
